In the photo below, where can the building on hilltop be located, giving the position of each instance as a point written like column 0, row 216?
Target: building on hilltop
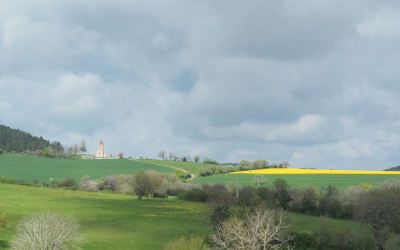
column 101, row 153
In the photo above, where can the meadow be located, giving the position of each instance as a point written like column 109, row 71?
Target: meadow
column 41, row 169
column 298, row 180
column 112, row 221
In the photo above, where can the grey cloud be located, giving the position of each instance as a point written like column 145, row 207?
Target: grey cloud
column 312, row 82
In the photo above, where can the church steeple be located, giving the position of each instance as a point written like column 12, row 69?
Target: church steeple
column 101, row 151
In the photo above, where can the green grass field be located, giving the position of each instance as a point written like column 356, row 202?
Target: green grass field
column 315, row 180
column 183, row 166
column 111, row 221
column 32, row 168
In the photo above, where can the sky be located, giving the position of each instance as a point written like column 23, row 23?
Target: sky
column 312, row 82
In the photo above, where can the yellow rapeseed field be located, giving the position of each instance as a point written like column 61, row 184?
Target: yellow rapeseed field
column 314, row 171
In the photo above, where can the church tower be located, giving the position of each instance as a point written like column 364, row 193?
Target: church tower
column 100, row 151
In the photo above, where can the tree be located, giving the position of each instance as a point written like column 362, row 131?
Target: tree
column 259, row 164
column 147, row 183
column 259, row 180
column 379, row 208
column 75, row 149
column 142, row 184
column 120, row 156
column 162, row 154
column 220, row 214
column 83, row 148
column 282, row 193
column 284, row 164
column 197, row 159
column 261, row 229
column 47, row 231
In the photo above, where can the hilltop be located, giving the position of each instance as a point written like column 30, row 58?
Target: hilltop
column 15, row 140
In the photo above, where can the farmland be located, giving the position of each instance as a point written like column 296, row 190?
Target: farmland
column 41, row 169
column 299, row 180
column 111, row 221
column 32, row 168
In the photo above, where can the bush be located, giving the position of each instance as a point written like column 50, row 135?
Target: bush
column 192, row 243
column 195, row 194
column 302, row 240
column 46, row 231
column 219, row 215
column 68, row 183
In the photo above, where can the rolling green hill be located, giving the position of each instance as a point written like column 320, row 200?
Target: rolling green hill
column 111, row 221
column 33, row 168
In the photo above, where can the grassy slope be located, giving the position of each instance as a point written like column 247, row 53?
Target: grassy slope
column 340, row 181
column 31, row 168
column 110, row 221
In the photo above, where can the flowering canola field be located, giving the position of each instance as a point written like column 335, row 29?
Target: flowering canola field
column 296, row 171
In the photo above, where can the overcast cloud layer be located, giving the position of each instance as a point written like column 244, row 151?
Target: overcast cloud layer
column 313, row 82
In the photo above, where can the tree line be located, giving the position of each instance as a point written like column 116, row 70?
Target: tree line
column 15, row 140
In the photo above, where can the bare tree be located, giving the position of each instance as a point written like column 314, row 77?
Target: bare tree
column 47, row 231
column 259, row 179
column 261, row 229
column 162, row 154
column 83, row 147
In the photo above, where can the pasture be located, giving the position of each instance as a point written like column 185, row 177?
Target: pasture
column 112, row 221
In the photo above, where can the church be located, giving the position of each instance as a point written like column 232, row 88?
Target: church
column 101, row 153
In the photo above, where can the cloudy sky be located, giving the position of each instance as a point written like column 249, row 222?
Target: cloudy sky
column 313, row 82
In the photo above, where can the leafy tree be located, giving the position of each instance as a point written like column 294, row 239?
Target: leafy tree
column 282, row 193
column 220, row 214
column 379, row 208
column 142, row 184
column 197, row 159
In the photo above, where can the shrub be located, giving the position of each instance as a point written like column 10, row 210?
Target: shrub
column 195, row 194
column 88, row 185
column 219, row 215
column 46, row 231
column 68, row 183
column 192, row 243
column 392, row 243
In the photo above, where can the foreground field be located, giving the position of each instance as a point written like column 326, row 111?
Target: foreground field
column 32, row 168
column 298, row 180
column 110, row 221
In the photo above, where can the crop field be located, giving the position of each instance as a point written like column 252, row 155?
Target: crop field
column 111, row 221
column 33, row 168
column 299, row 180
